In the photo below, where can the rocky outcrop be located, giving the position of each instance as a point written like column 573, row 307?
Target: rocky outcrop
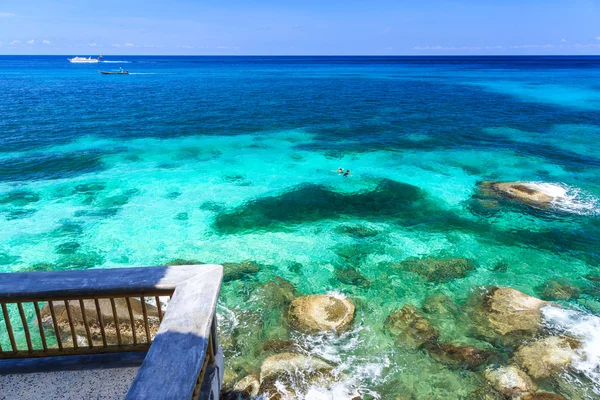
column 457, row 355
column 287, row 375
column 524, row 192
column 321, row 313
column 505, row 315
column 410, row 328
column 438, row 269
column 510, row 381
column 106, row 312
column 543, row 358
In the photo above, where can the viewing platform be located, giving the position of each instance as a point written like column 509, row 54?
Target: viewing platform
column 134, row 333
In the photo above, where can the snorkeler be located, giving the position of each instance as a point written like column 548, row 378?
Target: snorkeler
column 340, row 170
column 347, row 172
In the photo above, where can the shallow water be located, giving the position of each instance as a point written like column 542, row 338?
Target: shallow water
column 228, row 159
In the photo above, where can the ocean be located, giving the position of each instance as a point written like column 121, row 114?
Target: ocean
column 234, row 160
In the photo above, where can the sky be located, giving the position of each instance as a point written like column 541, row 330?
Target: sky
column 300, row 27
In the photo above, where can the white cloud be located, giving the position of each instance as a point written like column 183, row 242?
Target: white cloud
column 563, row 40
column 6, row 14
column 533, row 46
column 586, row 45
column 46, row 41
column 185, row 47
column 129, row 45
column 93, row 44
column 116, row 45
column 14, row 42
column 32, row 41
column 597, row 38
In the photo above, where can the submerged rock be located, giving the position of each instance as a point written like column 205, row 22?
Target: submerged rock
column 543, row 358
column 505, row 314
column 524, row 192
column 106, row 312
column 309, row 203
column 19, row 198
column 438, row 303
column 288, row 375
column 438, row 269
column 6, row 259
column 510, row 381
column 182, row 261
column 321, row 313
column 543, row 396
column 277, row 293
column 486, row 392
column 457, row 355
column 357, row 231
column 558, row 289
column 351, row 276
column 235, row 271
column 410, row 328
column 79, row 261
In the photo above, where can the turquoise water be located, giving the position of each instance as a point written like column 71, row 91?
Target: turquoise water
column 232, row 159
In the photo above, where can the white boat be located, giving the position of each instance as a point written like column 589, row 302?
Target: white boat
column 83, row 60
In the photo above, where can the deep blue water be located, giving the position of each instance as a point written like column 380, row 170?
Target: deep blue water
column 229, row 159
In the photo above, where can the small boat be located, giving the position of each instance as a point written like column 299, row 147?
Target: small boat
column 119, row 72
column 83, row 60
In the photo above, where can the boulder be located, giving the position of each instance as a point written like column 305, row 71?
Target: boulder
column 106, row 312
column 505, row 314
column 288, row 375
column 280, row 346
column 510, row 381
column 544, row 357
column 321, row 313
column 524, row 192
column 438, row 269
column 457, row 355
column 410, row 328
column 558, row 289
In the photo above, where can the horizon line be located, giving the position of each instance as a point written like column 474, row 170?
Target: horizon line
column 310, row 55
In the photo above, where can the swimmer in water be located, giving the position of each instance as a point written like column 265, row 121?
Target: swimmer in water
column 347, row 172
column 340, row 170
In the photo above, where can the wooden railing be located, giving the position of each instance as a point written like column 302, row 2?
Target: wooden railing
column 120, row 310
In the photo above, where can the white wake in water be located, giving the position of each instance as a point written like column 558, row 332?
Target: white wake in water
column 585, row 328
column 115, row 62
column 568, row 199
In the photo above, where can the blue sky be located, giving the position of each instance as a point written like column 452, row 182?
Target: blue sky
column 267, row 27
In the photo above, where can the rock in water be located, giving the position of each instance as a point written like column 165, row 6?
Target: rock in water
column 108, row 319
column 543, row 396
column 410, row 328
column 510, row 381
column 438, row 269
column 505, row 314
column 558, row 289
column 248, row 386
column 524, row 192
column 321, row 313
column 235, row 271
column 287, row 375
column 543, row 358
column 457, row 356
